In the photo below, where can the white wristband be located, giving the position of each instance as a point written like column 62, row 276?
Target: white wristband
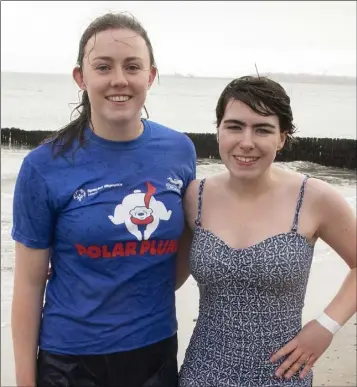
column 328, row 323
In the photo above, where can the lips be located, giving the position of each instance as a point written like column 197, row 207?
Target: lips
column 118, row 98
column 246, row 160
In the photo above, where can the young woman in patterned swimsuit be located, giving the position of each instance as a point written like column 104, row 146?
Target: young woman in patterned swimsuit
column 255, row 227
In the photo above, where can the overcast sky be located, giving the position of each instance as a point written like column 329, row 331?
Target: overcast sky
column 214, row 38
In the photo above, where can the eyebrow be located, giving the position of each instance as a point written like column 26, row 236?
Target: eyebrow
column 110, row 59
column 241, row 123
column 132, row 58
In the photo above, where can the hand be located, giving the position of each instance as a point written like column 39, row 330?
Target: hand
column 303, row 350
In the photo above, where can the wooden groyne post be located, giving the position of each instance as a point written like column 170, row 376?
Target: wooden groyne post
column 330, row 152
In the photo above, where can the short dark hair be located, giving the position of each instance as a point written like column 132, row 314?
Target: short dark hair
column 264, row 96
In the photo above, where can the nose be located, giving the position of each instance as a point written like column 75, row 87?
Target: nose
column 246, row 140
column 119, row 79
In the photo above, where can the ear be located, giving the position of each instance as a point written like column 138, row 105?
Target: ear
column 281, row 143
column 152, row 75
column 78, row 77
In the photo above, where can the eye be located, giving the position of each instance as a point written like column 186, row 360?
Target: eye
column 234, row 127
column 133, row 68
column 264, row 130
column 103, row 67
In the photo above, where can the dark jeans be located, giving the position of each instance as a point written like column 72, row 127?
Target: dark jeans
column 151, row 366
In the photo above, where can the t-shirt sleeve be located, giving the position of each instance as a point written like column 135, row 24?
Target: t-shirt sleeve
column 33, row 213
column 191, row 160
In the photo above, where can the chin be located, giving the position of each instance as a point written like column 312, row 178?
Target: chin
column 245, row 173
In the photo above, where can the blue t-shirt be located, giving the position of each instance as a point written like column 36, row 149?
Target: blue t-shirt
column 111, row 215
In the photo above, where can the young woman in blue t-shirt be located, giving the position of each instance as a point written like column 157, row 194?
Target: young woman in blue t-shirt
column 101, row 201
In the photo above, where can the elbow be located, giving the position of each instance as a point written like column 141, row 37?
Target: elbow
column 181, row 279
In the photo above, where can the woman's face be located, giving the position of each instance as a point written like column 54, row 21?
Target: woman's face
column 116, row 73
column 248, row 141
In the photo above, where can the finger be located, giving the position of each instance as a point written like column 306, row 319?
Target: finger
column 288, row 348
column 308, row 366
column 296, row 366
column 288, row 362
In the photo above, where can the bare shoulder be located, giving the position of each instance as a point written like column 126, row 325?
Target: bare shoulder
column 323, row 192
column 191, row 193
column 330, row 207
column 190, row 202
column 336, row 220
column 315, row 189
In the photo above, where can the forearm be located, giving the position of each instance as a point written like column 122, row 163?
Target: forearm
column 344, row 304
column 26, row 315
column 182, row 259
column 182, row 274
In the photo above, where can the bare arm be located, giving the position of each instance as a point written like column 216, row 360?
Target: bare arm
column 31, row 268
column 190, row 209
column 182, row 260
column 337, row 227
column 338, row 230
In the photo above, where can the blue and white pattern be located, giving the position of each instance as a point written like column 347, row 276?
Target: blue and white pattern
column 251, row 304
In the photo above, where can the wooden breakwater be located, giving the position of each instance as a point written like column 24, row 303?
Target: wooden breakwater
column 19, row 138
column 330, row 152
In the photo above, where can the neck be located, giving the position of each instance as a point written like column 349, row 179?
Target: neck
column 124, row 131
column 251, row 188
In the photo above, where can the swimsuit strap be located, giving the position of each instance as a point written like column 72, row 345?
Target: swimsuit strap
column 199, row 210
column 298, row 206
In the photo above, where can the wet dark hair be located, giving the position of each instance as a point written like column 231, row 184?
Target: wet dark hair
column 264, row 96
column 63, row 139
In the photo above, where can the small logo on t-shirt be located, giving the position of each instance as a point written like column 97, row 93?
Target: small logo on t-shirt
column 174, row 184
column 140, row 209
column 79, row 195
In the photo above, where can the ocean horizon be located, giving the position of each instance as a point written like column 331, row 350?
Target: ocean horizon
column 279, row 76
column 323, row 106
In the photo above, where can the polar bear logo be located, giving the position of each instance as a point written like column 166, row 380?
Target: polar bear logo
column 140, row 209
